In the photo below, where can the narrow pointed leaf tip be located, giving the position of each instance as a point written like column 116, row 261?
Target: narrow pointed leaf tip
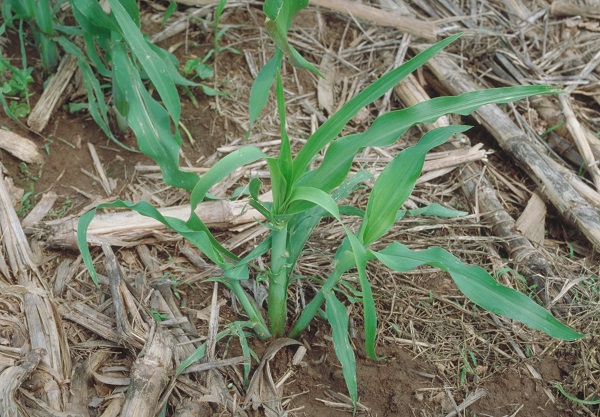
column 475, row 283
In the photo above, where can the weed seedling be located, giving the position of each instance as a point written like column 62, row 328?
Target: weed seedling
column 158, row 316
column 27, row 203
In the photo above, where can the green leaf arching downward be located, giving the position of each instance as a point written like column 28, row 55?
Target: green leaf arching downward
column 474, row 282
column 338, row 319
column 149, row 120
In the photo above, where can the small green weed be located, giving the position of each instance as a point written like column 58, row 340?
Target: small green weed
column 27, row 203
column 468, row 366
column 14, row 86
column 35, row 17
column 28, row 180
column 593, row 401
column 198, row 68
column 158, row 316
column 168, row 276
column 27, row 174
column 62, row 211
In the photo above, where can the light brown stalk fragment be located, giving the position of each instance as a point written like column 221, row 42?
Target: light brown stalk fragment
column 24, row 149
column 54, row 92
column 565, row 8
column 129, row 228
column 574, row 208
column 40, row 210
column 131, row 330
column 11, row 379
column 421, row 28
column 149, row 377
column 578, row 135
column 44, row 326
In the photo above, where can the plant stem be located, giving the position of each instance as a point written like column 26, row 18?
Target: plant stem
column 278, row 281
column 260, row 327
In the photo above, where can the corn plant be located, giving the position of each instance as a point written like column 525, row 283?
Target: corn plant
column 39, row 17
column 116, row 49
column 302, row 196
column 111, row 46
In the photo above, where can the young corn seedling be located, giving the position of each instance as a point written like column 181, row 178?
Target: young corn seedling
column 302, row 196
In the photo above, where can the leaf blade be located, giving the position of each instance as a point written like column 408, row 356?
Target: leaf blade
column 479, row 287
column 332, row 127
column 396, row 183
column 338, row 319
column 386, row 129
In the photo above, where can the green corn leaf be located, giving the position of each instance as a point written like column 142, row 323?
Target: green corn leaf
column 221, row 169
column 474, row 282
column 369, row 311
column 263, row 208
column 254, row 187
column 332, row 127
column 338, row 319
column 172, row 66
column 302, row 225
column 261, row 87
column 431, row 210
column 95, row 95
column 48, row 53
column 326, row 202
column 91, row 17
column 237, row 329
column 260, row 249
column 47, row 45
column 92, row 53
column 237, row 272
column 150, row 61
column 22, row 9
column 387, row 128
column 198, row 238
column 317, row 197
column 43, row 16
column 149, row 120
column 272, row 8
column 132, row 9
column 278, row 185
column 218, row 13
column 285, row 151
column 397, row 181
column 211, row 92
column 279, row 20
column 169, row 12
column 199, row 353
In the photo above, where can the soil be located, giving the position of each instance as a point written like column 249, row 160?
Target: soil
column 461, row 353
